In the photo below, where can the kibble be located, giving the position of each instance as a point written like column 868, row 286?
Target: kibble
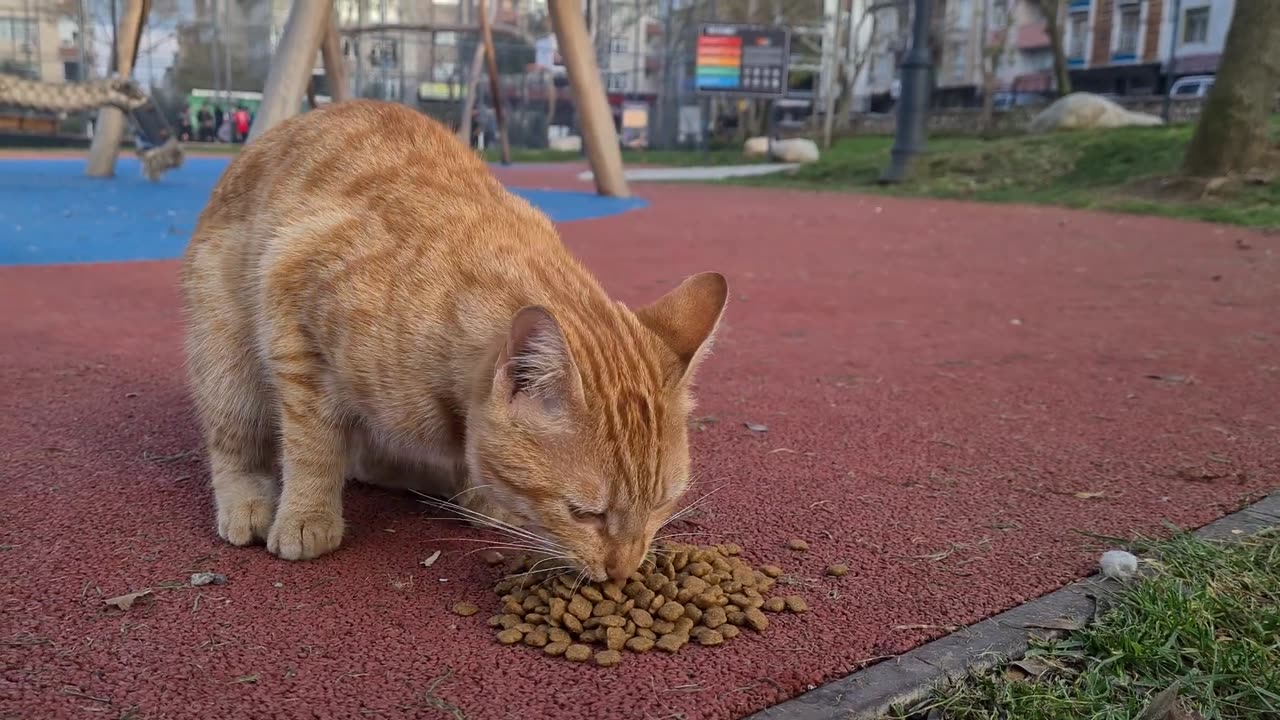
column 796, row 604
column 640, row 644
column 837, row 570
column 578, row 653
column 798, row 544
column 608, row 658
column 700, row 595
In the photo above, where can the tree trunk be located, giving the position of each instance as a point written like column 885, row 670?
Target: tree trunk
column 1233, row 134
column 1053, row 26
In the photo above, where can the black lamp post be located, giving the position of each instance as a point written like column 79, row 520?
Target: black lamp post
column 913, row 107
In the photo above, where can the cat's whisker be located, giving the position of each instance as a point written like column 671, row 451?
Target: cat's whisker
column 487, row 520
column 464, row 491
column 513, row 548
column 541, row 544
column 582, row 574
column 691, row 506
column 512, row 543
column 527, row 573
column 687, row 534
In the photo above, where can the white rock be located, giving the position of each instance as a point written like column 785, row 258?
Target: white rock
column 1083, row 111
column 789, row 150
column 568, row 143
column 756, row 147
column 1118, row 564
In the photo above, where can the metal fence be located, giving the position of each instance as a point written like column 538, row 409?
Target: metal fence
column 215, row 54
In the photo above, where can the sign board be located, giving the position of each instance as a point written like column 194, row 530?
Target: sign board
column 635, row 125
column 742, row 60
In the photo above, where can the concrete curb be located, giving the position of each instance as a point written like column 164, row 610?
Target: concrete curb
column 710, row 172
column 869, row 694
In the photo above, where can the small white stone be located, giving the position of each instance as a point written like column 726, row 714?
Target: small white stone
column 1118, row 564
column 207, row 578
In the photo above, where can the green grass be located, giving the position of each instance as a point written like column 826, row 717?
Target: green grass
column 670, row 158
column 1106, row 170
column 1208, row 618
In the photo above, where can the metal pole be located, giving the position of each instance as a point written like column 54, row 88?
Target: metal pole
column 80, row 42
column 916, row 95
column 1172, row 63
column 226, row 59
column 495, row 83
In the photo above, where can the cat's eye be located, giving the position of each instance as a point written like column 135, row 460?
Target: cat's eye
column 585, row 514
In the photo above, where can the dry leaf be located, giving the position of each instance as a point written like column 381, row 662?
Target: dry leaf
column 246, row 679
column 124, row 602
column 756, row 427
column 1177, row 379
column 431, row 559
column 1033, row 668
column 1164, row 706
column 1015, row 674
column 1089, row 495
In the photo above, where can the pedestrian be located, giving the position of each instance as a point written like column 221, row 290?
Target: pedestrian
column 240, row 120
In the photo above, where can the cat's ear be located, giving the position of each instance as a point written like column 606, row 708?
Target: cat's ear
column 534, row 368
column 687, row 317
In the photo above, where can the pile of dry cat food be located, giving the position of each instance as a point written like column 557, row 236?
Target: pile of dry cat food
column 684, row 594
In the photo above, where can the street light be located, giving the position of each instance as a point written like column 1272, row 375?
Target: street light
column 909, row 139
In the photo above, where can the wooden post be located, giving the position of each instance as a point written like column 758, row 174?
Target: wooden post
column 108, row 131
column 495, row 86
column 599, row 135
column 335, row 69
column 291, row 66
column 473, row 87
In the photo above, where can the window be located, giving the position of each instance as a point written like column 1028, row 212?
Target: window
column 1077, row 34
column 1195, row 28
column 17, row 30
column 618, row 46
column 959, row 63
column 999, row 10
column 617, row 82
column 1130, row 17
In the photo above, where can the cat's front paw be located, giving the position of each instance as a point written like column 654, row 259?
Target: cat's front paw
column 242, row 520
column 300, row 535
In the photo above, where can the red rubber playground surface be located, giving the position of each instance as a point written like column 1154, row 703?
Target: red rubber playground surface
column 952, row 392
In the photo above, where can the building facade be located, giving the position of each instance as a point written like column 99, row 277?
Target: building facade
column 42, row 39
column 1122, row 47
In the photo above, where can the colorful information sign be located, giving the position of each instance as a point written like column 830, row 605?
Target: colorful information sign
column 749, row 60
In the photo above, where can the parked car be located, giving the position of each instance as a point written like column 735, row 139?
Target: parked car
column 1192, row 86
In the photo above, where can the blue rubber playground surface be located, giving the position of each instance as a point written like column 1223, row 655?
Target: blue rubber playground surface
column 51, row 213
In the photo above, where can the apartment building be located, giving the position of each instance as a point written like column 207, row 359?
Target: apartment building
column 41, row 39
column 1123, row 47
column 631, row 59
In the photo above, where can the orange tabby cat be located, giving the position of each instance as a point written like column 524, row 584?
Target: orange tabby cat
column 364, row 298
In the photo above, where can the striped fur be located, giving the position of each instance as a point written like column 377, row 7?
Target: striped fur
column 365, row 299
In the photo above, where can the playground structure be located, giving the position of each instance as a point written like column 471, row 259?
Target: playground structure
column 113, row 98
column 312, row 28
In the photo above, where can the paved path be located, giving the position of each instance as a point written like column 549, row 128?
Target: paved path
column 951, row 392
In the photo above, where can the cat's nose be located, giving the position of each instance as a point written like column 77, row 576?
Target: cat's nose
column 618, row 571
column 623, row 561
